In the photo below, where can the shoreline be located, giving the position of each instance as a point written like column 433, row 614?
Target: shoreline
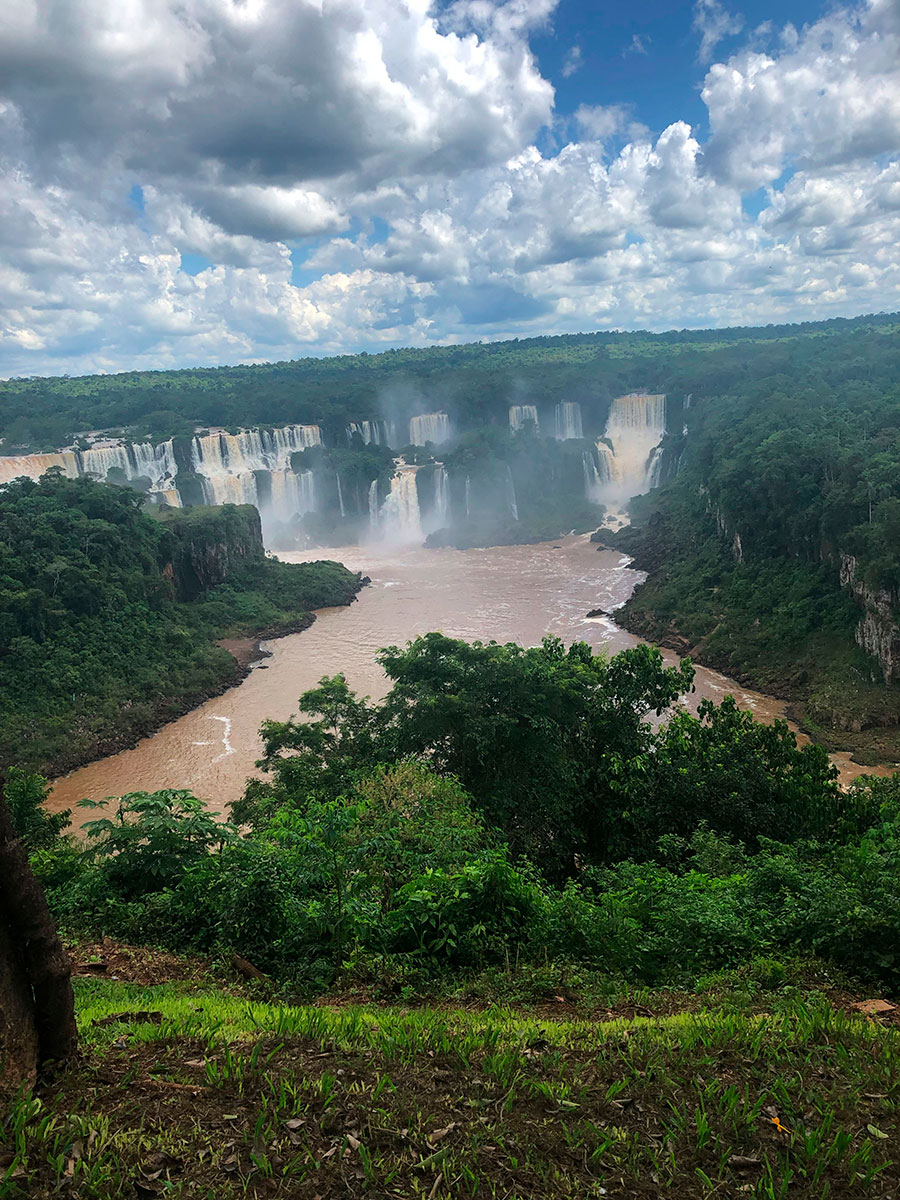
column 834, row 741
column 245, row 652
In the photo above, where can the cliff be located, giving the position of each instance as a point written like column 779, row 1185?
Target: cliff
column 204, row 546
column 877, row 632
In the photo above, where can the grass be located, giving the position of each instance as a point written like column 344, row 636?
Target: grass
column 183, row 1091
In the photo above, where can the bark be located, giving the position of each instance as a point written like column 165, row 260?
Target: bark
column 18, row 1032
column 32, row 934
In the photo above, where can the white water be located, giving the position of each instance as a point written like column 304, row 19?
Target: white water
column 468, row 497
column 519, row 414
column 511, row 495
column 373, row 506
column 441, row 516
column 593, row 482
column 340, row 493
column 429, row 427
column 400, row 521
column 369, row 431
column 629, row 465
column 568, row 421
column 138, row 460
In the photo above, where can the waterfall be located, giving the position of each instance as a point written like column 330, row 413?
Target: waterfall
column 292, row 495
column 568, row 421
column 252, row 449
column 468, row 497
column 373, row 505
column 228, row 463
column 629, row 454
column 33, row 466
column 593, row 482
column 519, row 414
column 429, row 427
column 441, row 497
column 156, row 463
column 340, row 494
column 369, row 431
column 511, row 494
column 399, row 520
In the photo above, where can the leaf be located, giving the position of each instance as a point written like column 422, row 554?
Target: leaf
column 876, row 1132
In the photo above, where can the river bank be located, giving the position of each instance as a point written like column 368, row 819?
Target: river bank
column 510, row 593
column 823, row 679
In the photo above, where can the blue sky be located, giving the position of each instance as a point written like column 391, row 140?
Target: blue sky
column 205, row 181
column 644, row 54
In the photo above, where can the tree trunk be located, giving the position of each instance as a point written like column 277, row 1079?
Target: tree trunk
column 37, row 1004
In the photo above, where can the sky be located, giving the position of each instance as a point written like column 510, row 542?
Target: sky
column 196, row 182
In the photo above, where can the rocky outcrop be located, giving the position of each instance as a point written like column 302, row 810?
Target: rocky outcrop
column 878, row 632
column 206, row 545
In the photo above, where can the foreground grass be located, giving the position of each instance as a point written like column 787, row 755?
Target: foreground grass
column 183, row 1091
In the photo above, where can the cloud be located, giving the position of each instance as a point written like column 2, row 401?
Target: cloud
column 388, row 154
column 714, row 24
column 573, row 61
column 639, row 44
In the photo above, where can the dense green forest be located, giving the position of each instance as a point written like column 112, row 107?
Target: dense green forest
column 782, row 493
column 109, row 617
column 475, row 383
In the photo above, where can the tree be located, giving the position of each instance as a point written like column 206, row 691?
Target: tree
column 37, row 1003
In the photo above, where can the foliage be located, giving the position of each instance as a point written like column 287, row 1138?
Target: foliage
column 95, row 645
column 25, row 796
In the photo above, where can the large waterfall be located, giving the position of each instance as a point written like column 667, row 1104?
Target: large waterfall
column 228, row 465
column 399, row 520
column 628, row 454
column 251, row 449
column 429, row 427
column 568, row 421
column 137, row 461
column 520, row 414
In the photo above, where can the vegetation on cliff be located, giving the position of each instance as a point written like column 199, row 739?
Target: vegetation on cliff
column 777, row 484
column 109, row 618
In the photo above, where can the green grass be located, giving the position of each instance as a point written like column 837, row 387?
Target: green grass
column 195, row 1093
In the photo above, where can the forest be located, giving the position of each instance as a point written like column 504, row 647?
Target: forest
column 779, row 490
column 110, row 617
column 475, row 383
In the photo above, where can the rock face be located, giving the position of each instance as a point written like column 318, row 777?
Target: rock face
column 207, row 545
column 877, row 632
column 18, row 1030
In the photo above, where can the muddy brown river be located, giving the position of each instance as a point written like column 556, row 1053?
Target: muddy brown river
column 506, row 593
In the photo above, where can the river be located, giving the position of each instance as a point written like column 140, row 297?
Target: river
column 505, row 593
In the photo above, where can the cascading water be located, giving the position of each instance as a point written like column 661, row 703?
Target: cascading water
column 468, row 497
column 441, row 514
column 629, row 455
column 511, row 495
column 141, row 460
column 373, row 505
column 228, row 464
column 520, row 414
column 340, row 494
column 399, row 520
column 369, row 431
column 429, row 427
column 593, row 481
column 568, row 421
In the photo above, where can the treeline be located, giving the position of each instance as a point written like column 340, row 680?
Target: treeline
column 505, row 818
column 109, row 617
column 475, row 383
